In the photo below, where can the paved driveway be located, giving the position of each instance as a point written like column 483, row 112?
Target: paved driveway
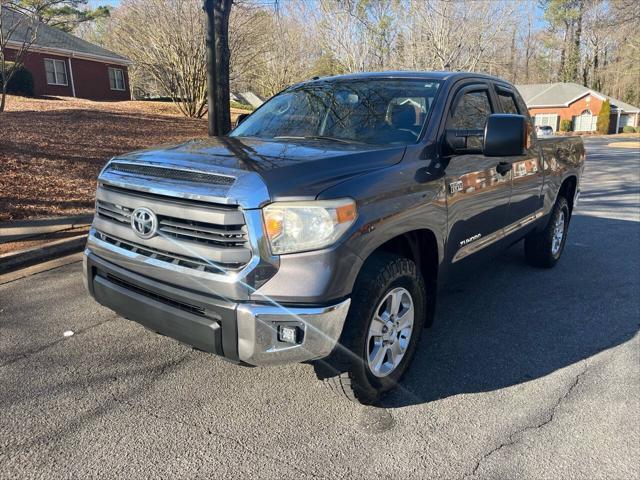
column 526, row 374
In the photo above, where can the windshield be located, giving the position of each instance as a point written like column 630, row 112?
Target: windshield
column 384, row 112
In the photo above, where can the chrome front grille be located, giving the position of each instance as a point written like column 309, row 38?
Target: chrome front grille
column 180, row 229
column 228, row 235
column 163, row 256
column 113, row 212
column 192, row 234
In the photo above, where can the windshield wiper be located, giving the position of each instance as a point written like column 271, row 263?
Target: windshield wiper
column 314, row 137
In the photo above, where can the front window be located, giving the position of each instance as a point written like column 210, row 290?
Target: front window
column 56, row 71
column 116, row 78
column 385, row 111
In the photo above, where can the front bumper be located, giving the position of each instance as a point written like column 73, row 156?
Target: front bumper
column 240, row 332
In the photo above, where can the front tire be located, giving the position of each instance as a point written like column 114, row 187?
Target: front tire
column 543, row 249
column 381, row 332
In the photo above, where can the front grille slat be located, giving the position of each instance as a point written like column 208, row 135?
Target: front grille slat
column 200, row 236
column 202, row 228
column 106, row 211
column 162, row 255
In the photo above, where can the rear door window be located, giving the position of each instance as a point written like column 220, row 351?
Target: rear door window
column 507, row 101
column 471, row 111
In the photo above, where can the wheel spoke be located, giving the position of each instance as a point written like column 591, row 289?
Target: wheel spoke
column 376, row 327
column 396, row 301
column 379, row 353
column 406, row 320
column 396, row 351
column 393, row 354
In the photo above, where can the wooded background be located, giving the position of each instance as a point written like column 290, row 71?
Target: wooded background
column 278, row 43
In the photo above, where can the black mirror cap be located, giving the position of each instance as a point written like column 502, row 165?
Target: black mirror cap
column 505, row 135
column 241, row 118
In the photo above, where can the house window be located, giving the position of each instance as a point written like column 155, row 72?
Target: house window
column 56, row 71
column 585, row 122
column 116, row 78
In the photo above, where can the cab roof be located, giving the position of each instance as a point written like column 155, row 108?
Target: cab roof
column 435, row 75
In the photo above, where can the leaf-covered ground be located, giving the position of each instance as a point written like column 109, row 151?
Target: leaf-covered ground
column 51, row 150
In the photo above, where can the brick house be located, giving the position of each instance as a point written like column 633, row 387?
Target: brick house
column 65, row 65
column 549, row 103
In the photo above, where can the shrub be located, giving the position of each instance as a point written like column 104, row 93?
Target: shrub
column 628, row 129
column 565, row 125
column 602, row 124
column 21, row 83
column 241, row 106
column 637, row 129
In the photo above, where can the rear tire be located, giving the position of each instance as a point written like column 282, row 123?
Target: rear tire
column 544, row 249
column 377, row 345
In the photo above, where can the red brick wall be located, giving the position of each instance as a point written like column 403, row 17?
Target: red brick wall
column 588, row 102
column 91, row 79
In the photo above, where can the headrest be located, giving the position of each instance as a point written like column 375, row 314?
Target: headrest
column 403, row 116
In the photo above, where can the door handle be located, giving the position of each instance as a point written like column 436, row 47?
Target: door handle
column 503, row 168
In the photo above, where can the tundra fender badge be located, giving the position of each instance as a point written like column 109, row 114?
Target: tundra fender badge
column 456, row 186
column 470, row 239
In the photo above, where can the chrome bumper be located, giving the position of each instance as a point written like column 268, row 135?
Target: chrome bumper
column 240, row 332
column 258, row 332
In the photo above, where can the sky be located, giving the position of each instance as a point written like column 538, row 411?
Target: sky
column 97, row 3
column 538, row 23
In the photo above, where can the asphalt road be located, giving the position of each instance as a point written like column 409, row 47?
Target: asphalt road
column 526, row 374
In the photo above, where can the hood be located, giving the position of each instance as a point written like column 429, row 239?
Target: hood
column 292, row 168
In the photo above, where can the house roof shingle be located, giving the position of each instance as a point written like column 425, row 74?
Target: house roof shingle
column 563, row 94
column 55, row 39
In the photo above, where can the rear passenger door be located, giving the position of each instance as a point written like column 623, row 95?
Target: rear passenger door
column 527, row 172
column 477, row 194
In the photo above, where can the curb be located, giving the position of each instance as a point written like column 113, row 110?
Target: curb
column 22, row 229
column 23, row 258
column 39, row 268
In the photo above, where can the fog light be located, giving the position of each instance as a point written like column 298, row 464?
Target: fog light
column 289, row 334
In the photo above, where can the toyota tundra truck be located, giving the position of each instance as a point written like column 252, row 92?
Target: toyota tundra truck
column 322, row 227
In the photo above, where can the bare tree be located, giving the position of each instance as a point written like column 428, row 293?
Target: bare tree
column 165, row 38
column 447, row 35
column 18, row 32
column 292, row 53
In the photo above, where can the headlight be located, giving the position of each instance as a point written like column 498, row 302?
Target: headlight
column 300, row 226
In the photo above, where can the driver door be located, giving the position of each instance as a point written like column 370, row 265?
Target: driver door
column 478, row 187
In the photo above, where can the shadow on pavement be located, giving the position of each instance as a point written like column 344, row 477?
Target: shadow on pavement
column 509, row 323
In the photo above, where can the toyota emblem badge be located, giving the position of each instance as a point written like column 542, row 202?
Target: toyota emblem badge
column 144, row 222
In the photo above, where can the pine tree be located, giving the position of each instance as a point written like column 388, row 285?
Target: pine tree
column 603, row 118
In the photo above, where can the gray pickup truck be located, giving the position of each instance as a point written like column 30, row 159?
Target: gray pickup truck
column 321, row 229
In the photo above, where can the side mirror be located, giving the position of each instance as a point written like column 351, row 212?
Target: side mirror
column 241, row 118
column 505, row 135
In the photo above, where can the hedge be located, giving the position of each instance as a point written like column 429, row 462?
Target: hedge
column 21, row 83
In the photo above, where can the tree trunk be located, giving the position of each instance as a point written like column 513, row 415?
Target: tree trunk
column 218, row 12
column 595, row 79
column 3, row 98
column 577, row 43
